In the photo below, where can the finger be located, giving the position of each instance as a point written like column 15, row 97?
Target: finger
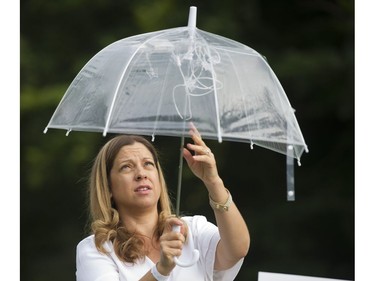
column 193, row 128
column 188, row 157
column 199, row 149
column 173, row 236
column 170, row 222
column 172, row 241
column 171, row 248
column 175, row 252
column 177, row 243
column 194, row 133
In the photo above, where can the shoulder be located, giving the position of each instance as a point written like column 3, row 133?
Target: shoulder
column 87, row 245
column 87, row 242
column 94, row 265
column 194, row 219
column 197, row 219
column 199, row 223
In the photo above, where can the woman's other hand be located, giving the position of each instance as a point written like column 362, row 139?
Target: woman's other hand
column 171, row 244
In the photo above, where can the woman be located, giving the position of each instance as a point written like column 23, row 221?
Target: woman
column 132, row 219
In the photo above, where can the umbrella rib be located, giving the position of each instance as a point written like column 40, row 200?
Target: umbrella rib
column 120, row 81
column 237, row 52
column 219, row 135
column 243, row 100
column 160, row 103
column 290, row 111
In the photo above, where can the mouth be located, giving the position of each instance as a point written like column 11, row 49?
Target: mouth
column 143, row 188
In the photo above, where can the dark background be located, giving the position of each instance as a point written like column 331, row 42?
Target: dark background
column 310, row 46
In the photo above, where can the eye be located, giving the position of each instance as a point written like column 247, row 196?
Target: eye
column 149, row 164
column 125, row 167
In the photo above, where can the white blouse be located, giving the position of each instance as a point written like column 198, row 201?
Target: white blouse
column 95, row 266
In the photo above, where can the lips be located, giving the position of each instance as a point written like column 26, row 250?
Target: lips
column 143, row 189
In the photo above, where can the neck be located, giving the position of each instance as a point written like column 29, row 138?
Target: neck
column 142, row 223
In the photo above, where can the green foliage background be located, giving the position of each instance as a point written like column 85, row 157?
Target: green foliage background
column 310, row 46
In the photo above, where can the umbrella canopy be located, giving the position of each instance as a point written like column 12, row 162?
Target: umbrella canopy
column 153, row 83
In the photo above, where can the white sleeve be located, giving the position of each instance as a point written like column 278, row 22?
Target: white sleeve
column 206, row 237
column 93, row 265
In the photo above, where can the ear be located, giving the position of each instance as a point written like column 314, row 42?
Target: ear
column 112, row 201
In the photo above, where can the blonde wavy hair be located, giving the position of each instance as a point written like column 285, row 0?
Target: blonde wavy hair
column 105, row 219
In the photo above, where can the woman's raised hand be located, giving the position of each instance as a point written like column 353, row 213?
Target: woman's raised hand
column 202, row 163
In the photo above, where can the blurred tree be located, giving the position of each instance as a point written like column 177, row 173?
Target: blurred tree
column 309, row 44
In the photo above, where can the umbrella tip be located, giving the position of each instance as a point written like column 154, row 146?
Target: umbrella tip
column 45, row 130
column 192, row 23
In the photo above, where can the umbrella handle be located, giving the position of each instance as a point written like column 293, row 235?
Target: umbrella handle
column 194, row 252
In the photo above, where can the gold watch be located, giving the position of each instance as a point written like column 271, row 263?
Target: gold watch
column 220, row 206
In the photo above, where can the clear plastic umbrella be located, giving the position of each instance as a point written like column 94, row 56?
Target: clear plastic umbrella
column 155, row 83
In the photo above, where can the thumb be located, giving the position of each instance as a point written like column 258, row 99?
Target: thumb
column 172, row 222
column 188, row 157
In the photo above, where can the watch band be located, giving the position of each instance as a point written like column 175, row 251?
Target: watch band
column 220, row 206
column 157, row 275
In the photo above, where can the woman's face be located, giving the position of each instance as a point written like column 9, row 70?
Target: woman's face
column 134, row 179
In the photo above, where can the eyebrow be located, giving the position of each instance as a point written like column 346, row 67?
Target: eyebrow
column 131, row 159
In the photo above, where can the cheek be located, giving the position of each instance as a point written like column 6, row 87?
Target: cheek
column 119, row 183
column 157, row 182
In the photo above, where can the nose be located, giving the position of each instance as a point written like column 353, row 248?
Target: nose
column 140, row 175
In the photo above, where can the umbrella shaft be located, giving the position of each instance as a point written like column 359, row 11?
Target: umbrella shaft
column 178, row 199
